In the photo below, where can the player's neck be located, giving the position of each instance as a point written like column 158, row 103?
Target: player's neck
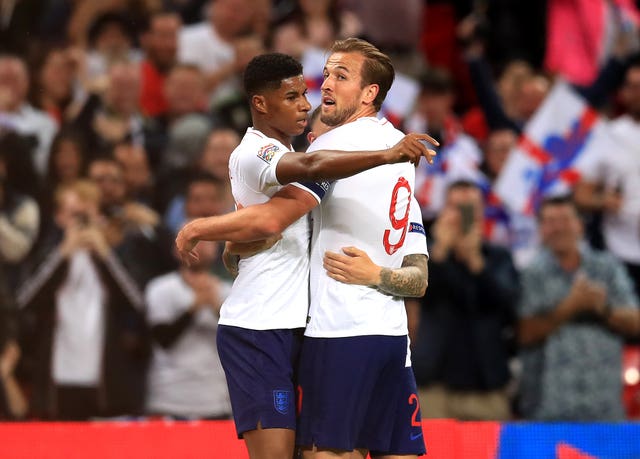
column 272, row 132
column 367, row 111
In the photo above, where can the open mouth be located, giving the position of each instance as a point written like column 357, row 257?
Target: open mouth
column 328, row 101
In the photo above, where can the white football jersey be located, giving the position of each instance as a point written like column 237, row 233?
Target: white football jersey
column 372, row 211
column 272, row 287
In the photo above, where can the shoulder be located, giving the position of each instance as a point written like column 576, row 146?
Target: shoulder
column 254, row 143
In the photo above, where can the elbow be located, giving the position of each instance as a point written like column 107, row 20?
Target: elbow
column 422, row 289
column 269, row 226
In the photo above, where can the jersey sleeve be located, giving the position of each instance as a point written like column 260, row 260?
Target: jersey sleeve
column 416, row 241
column 257, row 166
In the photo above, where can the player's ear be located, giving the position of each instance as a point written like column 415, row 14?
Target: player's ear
column 259, row 103
column 370, row 93
column 310, row 137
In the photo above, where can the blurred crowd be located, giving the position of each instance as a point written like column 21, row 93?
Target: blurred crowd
column 117, row 119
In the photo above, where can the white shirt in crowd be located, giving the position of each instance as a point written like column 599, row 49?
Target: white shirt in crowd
column 200, row 45
column 185, row 379
column 79, row 334
column 616, row 165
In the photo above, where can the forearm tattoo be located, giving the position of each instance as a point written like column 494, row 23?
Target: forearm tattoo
column 410, row 280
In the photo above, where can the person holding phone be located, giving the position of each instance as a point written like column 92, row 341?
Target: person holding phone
column 461, row 350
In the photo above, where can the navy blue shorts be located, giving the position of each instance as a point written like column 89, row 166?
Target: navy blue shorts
column 259, row 367
column 356, row 392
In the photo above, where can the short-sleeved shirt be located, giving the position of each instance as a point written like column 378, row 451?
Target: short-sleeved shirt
column 574, row 374
column 372, row 211
column 186, row 379
column 272, row 287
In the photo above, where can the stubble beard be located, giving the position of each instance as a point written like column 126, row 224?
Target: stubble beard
column 339, row 116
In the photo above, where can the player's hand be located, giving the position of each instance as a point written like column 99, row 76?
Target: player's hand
column 412, row 147
column 352, row 267
column 185, row 246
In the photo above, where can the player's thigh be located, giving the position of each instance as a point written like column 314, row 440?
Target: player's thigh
column 270, row 443
column 259, row 370
column 339, row 379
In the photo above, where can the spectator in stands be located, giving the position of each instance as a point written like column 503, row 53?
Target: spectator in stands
column 19, row 224
column 185, row 123
column 67, row 163
column 610, row 182
column 462, row 350
column 221, row 46
column 114, row 116
column 458, row 157
column 54, row 85
column 160, row 43
column 534, row 88
column 82, row 311
column 576, row 306
column 133, row 230
column 17, row 115
column 186, row 379
column 214, row 160
column 110, row 39
column 138, row 178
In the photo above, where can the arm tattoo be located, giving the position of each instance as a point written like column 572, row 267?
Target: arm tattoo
column 408, row 281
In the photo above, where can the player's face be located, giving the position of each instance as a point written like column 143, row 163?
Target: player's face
column 342, row 89
column 288, row 106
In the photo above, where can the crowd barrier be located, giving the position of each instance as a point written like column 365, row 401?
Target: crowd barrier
column 446, row 439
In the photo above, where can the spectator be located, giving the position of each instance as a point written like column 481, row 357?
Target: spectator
column 134, row 231
column 222, row 46
column 67, row 163
column 462, row 350
column 114, row 116
column 82, row 313
column 533, row 89
column 138, row 178
column 18, row 115
column 610, row 182
column 19, row 224
column 54, row 87
column 185, row 123
column 186, row 379
column 576, row 306
column 458, row 158
column 110, row 39
column 204, row 197
column 160, row 42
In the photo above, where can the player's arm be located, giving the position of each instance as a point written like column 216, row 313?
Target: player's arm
column 334, row 165
column 252, row 223
column 355, row 267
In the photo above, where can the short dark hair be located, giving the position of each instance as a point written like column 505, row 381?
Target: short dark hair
column 557, row 200
column 436, row 81
column 463, row 184
column 200, row 176
column 266, row 72
column 376, row 69
column 104, row 20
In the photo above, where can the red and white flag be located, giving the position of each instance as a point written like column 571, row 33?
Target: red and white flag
column 544, row 162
